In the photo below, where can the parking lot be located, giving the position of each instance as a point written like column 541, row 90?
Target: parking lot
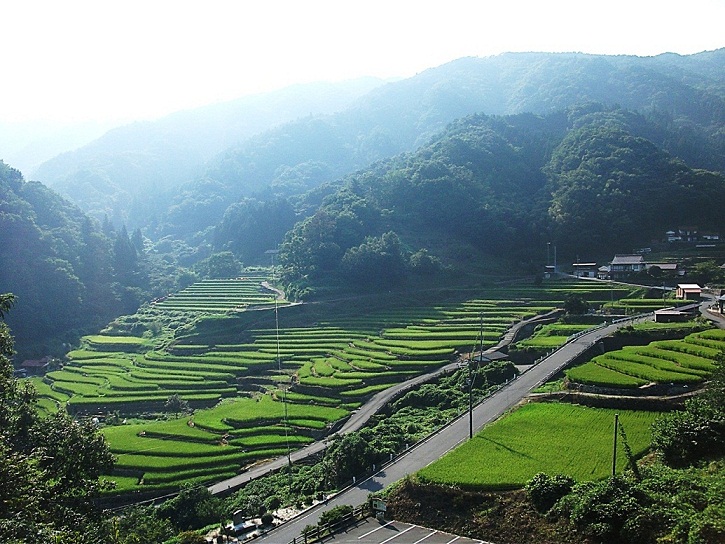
column 371, row 531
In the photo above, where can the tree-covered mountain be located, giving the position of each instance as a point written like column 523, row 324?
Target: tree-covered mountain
column 684, row 95
column 70, row 276
column 152, row 175
column 126, row 174
column 476, row 160
column 588, row 179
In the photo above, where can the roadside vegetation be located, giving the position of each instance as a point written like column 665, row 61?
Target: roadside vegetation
column 222, row 365
column 667, row 487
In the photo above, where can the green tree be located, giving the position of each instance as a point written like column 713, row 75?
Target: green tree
column 139, row 525
column 220, row 265
column 684, row 437
column 125, row 258
column 176, row 405
column 348, row 457
column 193, row 507
column 575, row 304
column 380, row 261
column 49, row 468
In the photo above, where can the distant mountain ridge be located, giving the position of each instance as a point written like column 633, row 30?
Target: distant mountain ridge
column 498, row 189
column 686, row 94
column 143, row 174
column 476, row 162
column 143, row 160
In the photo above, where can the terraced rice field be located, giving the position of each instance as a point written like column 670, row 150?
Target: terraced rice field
column 226, row 366
column 687, row 361
column 632, row 306
column 552, row 336
column 541, row 438
column 222, row 295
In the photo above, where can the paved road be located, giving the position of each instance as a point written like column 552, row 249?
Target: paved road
column 357, row 419
column 450, row 436
column 354, row 423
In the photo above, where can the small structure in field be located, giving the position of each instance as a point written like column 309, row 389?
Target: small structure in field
column 688, row 291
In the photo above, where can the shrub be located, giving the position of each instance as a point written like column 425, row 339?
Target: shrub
column 544, row 490
column 272, row 503
column 613, row 510
column 335, row 515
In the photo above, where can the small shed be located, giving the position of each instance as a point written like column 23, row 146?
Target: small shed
column 585, row 270
column 688, row 291
column 671, row 315
column 36, row 367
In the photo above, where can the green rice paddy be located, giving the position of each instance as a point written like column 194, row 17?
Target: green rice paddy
column 232, row 377
column 541, row 437
column 684, row 362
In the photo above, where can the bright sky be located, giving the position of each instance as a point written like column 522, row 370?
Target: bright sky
column 111, row 60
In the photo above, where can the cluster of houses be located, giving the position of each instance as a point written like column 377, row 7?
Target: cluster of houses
column 34, row 367
column 691, row 234
column 623, row 267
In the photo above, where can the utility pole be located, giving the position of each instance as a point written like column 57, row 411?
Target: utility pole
column 614, row 453
column 548, row 247
column 470, row 379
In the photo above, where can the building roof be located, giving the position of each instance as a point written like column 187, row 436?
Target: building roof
column 664, row 266
column 689, row 287
column 36, row 363
column 628, row 259
column 584, row 265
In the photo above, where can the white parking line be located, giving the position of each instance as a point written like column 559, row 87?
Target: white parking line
column 377, row 529
column 399, row 534
column 426, row 536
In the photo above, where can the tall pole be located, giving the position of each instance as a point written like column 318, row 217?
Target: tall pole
column 470, row 401
column 548, row 247
column 470, row 379
column 614, row 452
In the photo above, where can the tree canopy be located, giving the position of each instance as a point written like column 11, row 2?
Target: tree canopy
column 49, row 468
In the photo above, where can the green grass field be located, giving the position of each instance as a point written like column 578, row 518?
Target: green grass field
column 688, row 361
column 217, row 352
column 541, row 437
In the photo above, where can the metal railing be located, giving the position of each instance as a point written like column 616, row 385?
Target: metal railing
column 319, row 532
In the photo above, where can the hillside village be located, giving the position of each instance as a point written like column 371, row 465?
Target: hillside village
column 457, row 300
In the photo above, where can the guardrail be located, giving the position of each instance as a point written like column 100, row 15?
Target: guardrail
column 319, row 533
column 579, row 334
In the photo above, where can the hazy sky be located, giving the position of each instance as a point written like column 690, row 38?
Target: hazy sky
column 74, row 60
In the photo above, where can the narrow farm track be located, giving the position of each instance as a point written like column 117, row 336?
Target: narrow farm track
column 449, row 437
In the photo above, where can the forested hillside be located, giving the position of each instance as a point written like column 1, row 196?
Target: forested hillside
column 501, row 187
column 476, row 164
column 70, row 276
column 683, row 99
column 128, row 173
column 152, row 175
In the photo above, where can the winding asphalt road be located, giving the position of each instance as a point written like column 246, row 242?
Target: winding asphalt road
column 357, row 419
column 435, row 446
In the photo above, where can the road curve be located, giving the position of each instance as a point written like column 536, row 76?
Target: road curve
column 449, row 437
column 357, row 419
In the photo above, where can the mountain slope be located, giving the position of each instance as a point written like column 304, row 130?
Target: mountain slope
column 116, row 174
column 686, row 95
column 133, row 175
column 499, row 188
column 57, row 263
